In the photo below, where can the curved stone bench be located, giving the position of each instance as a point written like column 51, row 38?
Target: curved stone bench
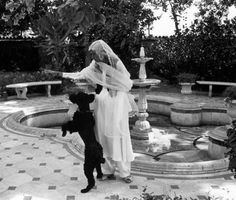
column 161, row 104
column 214, row 115
column 21, row 88
column 186, row 114
column 194, row 114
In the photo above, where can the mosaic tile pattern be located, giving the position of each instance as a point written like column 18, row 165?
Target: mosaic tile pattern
column 35, row 168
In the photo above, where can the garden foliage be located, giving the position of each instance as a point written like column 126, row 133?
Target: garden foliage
column 21, row 54
column 207, row 48
column 186, row 78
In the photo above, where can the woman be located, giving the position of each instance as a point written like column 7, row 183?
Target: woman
column 112, row 107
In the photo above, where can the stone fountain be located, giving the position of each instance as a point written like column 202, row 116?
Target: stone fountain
column 142, row 131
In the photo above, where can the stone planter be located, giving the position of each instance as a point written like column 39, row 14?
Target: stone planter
column 186, row 88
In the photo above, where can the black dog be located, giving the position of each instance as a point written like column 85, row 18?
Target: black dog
column 83, row 122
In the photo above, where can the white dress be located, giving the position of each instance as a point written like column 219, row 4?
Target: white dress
column 111, row 113
column 112, row 125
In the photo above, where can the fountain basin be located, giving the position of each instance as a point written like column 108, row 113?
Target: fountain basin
column 37, row 121
column 18, row 123
column 45, row 119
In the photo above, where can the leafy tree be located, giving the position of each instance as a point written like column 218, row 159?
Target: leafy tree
column 124, row 27
column 214, row 41
column 18, row 16
column 211, row 7
column 56, row 22
column 177, row 7
column 57, row 25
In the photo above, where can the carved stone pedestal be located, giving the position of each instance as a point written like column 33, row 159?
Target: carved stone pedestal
column 140, row 133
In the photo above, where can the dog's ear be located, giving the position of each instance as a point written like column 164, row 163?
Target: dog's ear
column 91, row 98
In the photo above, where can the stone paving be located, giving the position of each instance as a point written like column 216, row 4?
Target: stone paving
column 38, row 168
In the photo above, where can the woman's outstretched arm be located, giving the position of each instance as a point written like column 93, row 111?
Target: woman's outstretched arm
column 71, row 75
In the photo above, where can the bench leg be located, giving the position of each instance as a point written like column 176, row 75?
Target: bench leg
column 21, row 93
column 49, row 91
column 210, row 90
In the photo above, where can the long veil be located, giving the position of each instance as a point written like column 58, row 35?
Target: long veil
column 116, row 75
column 113, row 75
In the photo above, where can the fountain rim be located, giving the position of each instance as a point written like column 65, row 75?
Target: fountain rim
column 145, row 82
column 142, row 59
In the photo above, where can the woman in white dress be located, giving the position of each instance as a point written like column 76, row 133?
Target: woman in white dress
column 111, row 109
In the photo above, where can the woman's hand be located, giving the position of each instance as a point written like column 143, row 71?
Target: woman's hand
column 48, row 71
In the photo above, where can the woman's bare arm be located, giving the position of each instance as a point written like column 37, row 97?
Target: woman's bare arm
column 71, row 75
column 57, row 73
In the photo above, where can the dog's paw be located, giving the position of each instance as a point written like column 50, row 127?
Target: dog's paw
column 87, row 189
column 63, row 133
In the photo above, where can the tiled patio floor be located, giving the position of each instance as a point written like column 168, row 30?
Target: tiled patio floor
column 38, row 168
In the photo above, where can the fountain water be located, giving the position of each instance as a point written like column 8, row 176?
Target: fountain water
column 142, row 130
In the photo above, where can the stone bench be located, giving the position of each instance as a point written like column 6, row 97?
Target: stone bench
column 21, row 88
column 211, row 83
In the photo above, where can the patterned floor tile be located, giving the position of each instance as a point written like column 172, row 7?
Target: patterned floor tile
column 150, row 178
column 3, row 188
column 39, row 172
column 26, row 153
column 72, row 171
column 36, row 179
column 76, row 163
column 42, row 164
column 133, row 187
column 8, row 171
column 215, row 186
column 11, row 187
column 174, row 186
column 17, row 179
column 27, row 198
column 74, row 178
column 70, row 198
column 52, row 187
column 10, row 144
column 57, row 178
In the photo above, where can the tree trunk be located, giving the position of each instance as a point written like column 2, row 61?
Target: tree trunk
column 175, row 17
